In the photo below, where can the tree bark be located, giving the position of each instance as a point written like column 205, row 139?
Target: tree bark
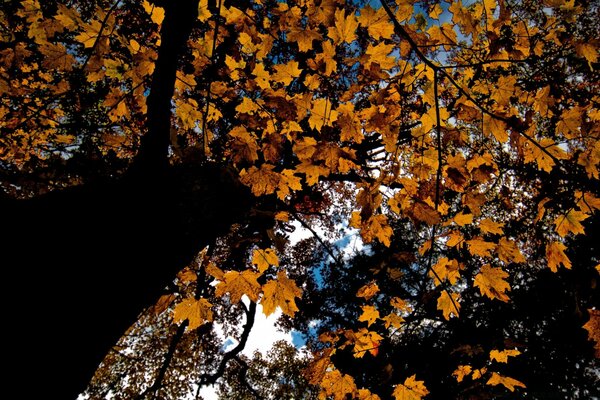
column 80, row 264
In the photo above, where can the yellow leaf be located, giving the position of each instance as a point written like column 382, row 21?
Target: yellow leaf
column 344, row 28
column 478, row 373
column 436, row 11
column 157, row 14
column 454, row 238
column 163, row 303
column 312, row 172
column 425, row 213
column 368, row 291
column 262, row 76
column 365, row 340
column 285, row 73
column 247, row 106
column 321, row 114
column 502, row 356
column 508, row 251
column 445, row 269
column 462, row 371
column 238, row 284
column 214, row 271
column 242, row 146
column 304, row 37
column 588, row 51
column 496, row 127
column 491, row 283
column 264, row 258
column 488, row 226
column 593, row 328
column 463, row 219
column 369, row 315
column 479, row 247
column 365, row 394
column 400, row 304
column 187, row 276
column 197, row 312
column 281, row 293
column 448, row 304
column 377, row 23
column 338, row 386
column 392, row 320
column 203, row 11
column 411, row 389
column 506, row 381
column 570, row 223
column 375, row 227
column 555, row 255
column 379, row 55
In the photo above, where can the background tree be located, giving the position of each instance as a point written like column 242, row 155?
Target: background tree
column 459, row 142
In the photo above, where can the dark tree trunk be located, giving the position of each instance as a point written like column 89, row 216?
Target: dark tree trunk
column 80, row 264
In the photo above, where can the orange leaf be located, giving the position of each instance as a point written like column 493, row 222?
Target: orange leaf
column 369, row 315
column 344, row 28
column 338, row 386
column 197, row 312
column 365, row 340
column 411, row 389
column 488, row 226
column 593, row 329
column 502, row 356
column 491, row 283
column 506, row 381
column 282, row 293
column 570, row 223
column 238, row 284
column 555, row 255
column 509, row 252
column 462, row 371
column 368, row 291
column 448, row 305
column 479, row 247
column 264, row 258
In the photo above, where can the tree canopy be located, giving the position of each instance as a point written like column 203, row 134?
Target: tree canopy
column 158, row 158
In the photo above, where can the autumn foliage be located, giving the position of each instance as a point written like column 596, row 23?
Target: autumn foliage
column 441, row 158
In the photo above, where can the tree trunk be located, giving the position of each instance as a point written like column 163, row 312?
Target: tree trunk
column 80, row 264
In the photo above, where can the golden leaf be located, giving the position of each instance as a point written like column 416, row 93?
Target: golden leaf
column 187, row 275
column 157, row 14
column 344, row 29
column 197, row 312
column 379, row 55
column 425, row 213
column 502, row 356
column 479, row 247
column 496, row 127
column 593, row 329
column 264, row 258
column 237, row 284
column 488, row 226
column 368, row 291
column 463, row 219
column 392, row 320
column 411, row 389
column 163, row 303
column 365, row 394
column 506, row 381
column 285, row 73
column 555, row 255
column 445, row 268
column 491, row 283
column 508, row 251
column 377, row 23
column 462, row 371
column 243, row 146
column 304, row 37
column 321, row 114
column 369, row 315
column 400, row 304
column 448, row 305
column 570, row 223
column 280, row 293
column 365, row 340
column 338, row 386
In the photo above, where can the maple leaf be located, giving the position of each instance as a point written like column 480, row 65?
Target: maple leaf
column 508, row 251
column 377, row 23
column 392, row 320
column 379, row 55
column 491, row 283
column 570, row 223
column 369, row 315
column 163, row 303
column 365, row 394
column 238, row 284
column 321, row 114
column 479, row 247
column 444, row 269
column 461, row 371
column 344, row 29
column 425, row 213
column 368, row 291
column 502, row 356
column 463, row 219
column 411, row 389
column 157, row 14
column 593, row 329
column 448, row 304
column 285, row 73
column 197, row 312
column 375, row 226
column 365, row 340
column 506, row 381
column 304, row 38
column 243, row 147
column 338, row 386
column 496, row 127
column 264, row 258
column 281, row 293
column 488, row 226
column 555, row 255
